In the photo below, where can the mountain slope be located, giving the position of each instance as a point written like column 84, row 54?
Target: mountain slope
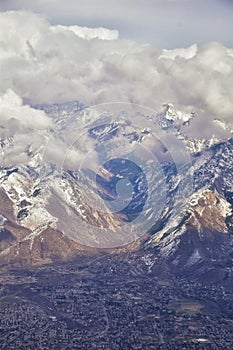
column 47, row 214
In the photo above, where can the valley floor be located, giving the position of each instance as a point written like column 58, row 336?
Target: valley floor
column 111, row 303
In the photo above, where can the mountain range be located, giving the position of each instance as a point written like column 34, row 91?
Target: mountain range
column 179, row 216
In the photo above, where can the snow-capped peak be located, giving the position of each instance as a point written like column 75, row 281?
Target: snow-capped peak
column 175, row 115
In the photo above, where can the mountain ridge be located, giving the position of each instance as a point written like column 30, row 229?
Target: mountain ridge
column 30, row 216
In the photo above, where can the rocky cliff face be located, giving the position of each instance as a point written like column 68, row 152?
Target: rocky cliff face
column 34, row 219
column 200, row 242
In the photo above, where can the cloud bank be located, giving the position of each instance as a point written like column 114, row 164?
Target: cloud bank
column 41, row 63
column 164, row 23
column 44, row 63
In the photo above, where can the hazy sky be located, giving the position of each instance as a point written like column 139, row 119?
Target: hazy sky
column 164, row 23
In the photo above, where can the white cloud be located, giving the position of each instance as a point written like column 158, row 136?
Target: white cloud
column 12, row 109
column 165, row 23
column 45, row 64
column 25, row 124
column 88, row 33
column 186, row 53
column 29, row 130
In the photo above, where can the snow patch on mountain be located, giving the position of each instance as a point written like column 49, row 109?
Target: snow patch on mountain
column 176, row 115
column 29, row 210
